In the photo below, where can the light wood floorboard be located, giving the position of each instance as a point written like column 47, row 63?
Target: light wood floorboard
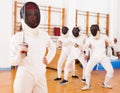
column 73, row 86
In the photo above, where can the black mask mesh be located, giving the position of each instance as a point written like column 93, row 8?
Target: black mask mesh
column 75, row 31
column 64, row 30
column 30, row 9
column 94, row 28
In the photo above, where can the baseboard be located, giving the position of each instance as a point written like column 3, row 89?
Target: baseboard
column 6, row 68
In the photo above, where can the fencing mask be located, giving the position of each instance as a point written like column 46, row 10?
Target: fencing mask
column 30, row 18
column 94, row 29
column 64, row 30
column 30, row 13
column 76, row 31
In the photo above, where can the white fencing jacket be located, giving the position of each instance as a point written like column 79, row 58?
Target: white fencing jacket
column 33, row 62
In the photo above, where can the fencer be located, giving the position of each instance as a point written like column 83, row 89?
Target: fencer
column 97, row 43
column 116, row 47
column 31, row 72
column 77, row 40
column 65, row 44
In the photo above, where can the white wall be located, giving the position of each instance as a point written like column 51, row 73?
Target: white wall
column 70, row 9
column 5, row 31
column 118, row 30
column 117, row 20
column 93, row 5
column 56, row 3
column 102, row 6
column 114, row 23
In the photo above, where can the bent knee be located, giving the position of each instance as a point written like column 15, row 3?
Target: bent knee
column 110, row 72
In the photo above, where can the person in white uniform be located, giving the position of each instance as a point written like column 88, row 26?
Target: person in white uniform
column 77, row 41
column 63, row 41
column 31, row 60
column 97, row 43
column 116, row 47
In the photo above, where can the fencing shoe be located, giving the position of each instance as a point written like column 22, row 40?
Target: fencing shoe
column 64, row 82
column 106, row 86
column 86, row 87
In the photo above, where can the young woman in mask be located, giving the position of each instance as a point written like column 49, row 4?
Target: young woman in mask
column 28, row 49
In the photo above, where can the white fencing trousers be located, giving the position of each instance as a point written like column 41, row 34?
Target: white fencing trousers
column 25, row 82
column 69, row 66
column 105, row 62
column 62, row 58
column 83, row 63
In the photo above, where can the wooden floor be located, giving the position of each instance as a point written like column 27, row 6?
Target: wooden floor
column 74, row 85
